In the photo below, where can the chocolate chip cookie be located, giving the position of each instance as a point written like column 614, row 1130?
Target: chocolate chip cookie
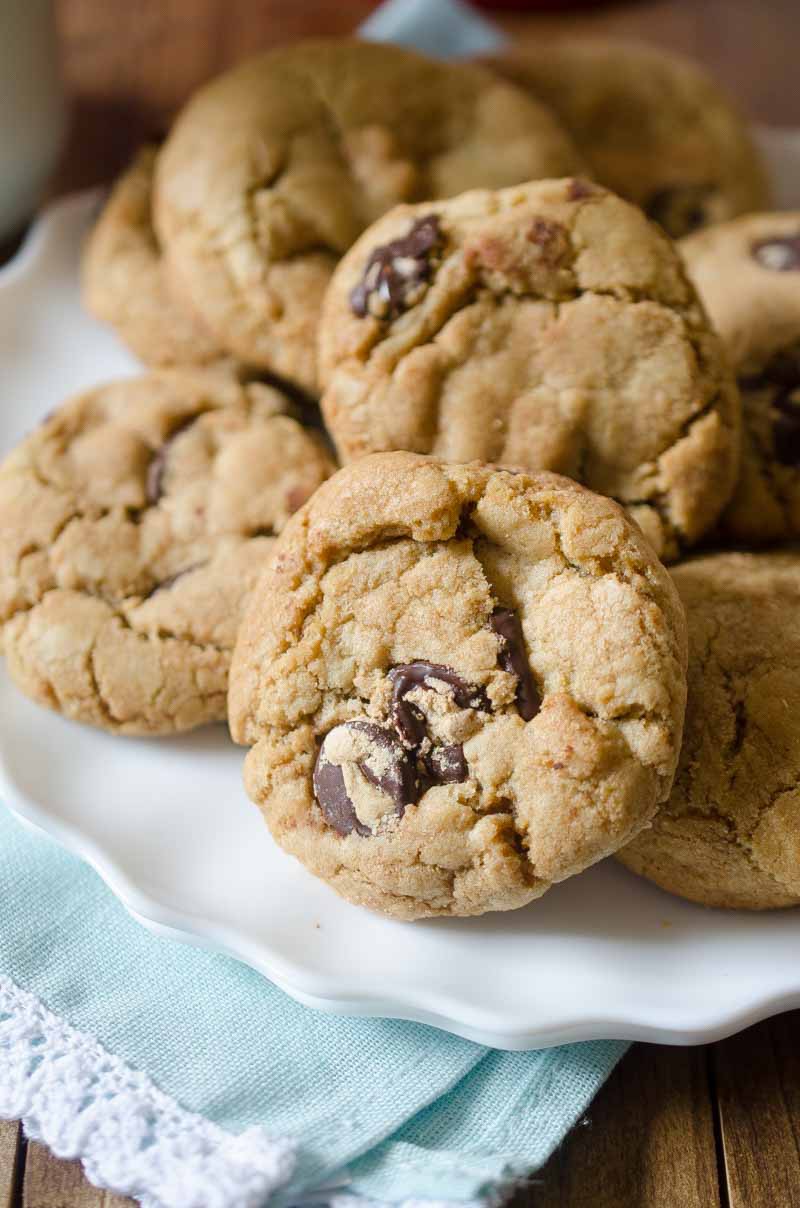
column 748, row 274
column 274, row 169
column 467, row 684
column 133, row 523
column 652, row 125
column 126, row 282
column 730, row 833
column 546, row 326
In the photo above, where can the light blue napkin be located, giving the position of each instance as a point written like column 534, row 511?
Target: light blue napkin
column 387, row 1110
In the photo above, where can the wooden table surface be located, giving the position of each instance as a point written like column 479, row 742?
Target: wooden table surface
column 712, row 1127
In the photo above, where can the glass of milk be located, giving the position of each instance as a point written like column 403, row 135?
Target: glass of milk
column 32, row 109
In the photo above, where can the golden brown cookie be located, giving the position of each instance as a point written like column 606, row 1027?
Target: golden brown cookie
column 548, row 326
column 748, row 274
column 133, row 522
column 126, row 281
column 273, row 170
column 730, row 833
column 652, row 125
column 467, row 684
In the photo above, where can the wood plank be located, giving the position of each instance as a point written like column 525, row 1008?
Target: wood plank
column 752, row 56
column 52, row 1183
column 758, row 1090
column 129, row 66
column 648, row 1140
column 9, row 1146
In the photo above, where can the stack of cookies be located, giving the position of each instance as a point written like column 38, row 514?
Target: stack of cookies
column 458, row 661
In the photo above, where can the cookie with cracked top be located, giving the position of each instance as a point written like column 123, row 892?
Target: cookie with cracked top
column 548, row 326
column 126, row 280
column 652, row 125
column 467, row 684
column 730, row 833
column 748, row 274
column 273, row 170
column 134, row 521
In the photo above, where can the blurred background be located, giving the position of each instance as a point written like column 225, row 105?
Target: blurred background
column 128, row 66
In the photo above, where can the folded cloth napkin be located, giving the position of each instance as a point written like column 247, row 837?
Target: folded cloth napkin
column 189, row 1081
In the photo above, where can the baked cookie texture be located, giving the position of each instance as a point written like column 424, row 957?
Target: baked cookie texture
column 730, row 832
column 468, row 684
column 133, row 522
column 273, row 170
column 652, row 125
column 748, row 274
column 126, row 280
column 548, row 326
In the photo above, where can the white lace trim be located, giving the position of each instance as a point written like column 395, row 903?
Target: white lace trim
column 83, row 1102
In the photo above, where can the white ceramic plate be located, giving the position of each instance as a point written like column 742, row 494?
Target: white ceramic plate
column 167, row 825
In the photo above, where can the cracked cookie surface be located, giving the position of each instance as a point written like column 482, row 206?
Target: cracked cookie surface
column 748, row 274
column 133, row 522
column 470, row 684
column 730, row 833
column 273, row 170
column 548, row 326
column 653, row 126
column 126, row 280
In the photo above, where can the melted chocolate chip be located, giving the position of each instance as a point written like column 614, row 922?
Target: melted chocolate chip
column 513, row 659
column 397, row 273
column 154, row 487
column 398, row 780
column 331, row 794
column 680, row 209
column 447, row 765
column 441, row 764
column 411, row 725
column 779, row 254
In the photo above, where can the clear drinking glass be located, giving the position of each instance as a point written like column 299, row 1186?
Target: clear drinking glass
column 32, row 108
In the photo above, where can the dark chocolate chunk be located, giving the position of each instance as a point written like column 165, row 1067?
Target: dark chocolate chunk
column 154, row 487
column 680, row 209
column 331, row 794
column 513, row 659
column 398, row 781
column 397, row 273
column 447, row 765
column 408, row 720
column 780, row 254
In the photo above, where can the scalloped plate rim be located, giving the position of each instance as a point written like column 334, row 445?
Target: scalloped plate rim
column 340, row 995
